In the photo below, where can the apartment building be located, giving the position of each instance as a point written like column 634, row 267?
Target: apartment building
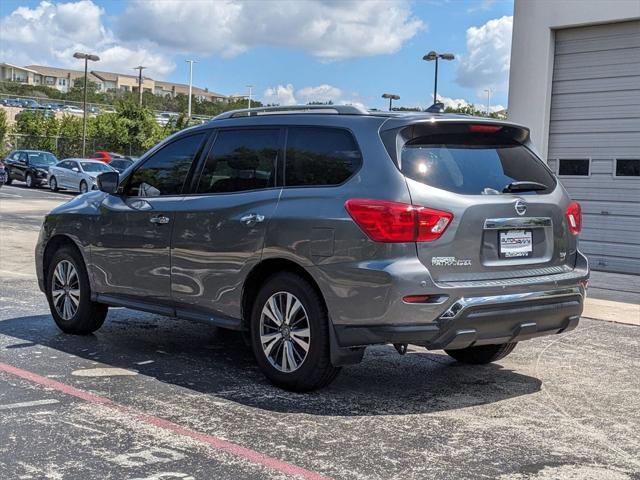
column 58, row 78
column 63, row 79
column 202, row 94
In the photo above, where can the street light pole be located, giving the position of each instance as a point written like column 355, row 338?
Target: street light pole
column 391, row 98
column 250, row 87
column 488, row 90
column 190, row 62
column 139, row 68
column 435, row 56
column 86, row 57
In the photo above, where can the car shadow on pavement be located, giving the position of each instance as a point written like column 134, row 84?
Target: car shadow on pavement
column 217, row 362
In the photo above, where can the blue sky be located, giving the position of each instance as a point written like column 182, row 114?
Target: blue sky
column 291, row 50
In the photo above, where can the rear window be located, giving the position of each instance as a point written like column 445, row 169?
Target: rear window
column 472, row 164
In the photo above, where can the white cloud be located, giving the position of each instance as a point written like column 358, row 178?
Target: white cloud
column 288, row 95
column 486, row 62
column 280, row 95
column 328, row 30
column 453, row 102
column 49, row 34
column 321, row 93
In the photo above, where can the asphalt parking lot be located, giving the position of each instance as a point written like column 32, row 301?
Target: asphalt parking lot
column 149, row 397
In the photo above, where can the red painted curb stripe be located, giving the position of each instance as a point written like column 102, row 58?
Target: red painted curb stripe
column 214, row 442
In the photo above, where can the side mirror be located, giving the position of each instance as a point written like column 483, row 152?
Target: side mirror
column 75, row 169
column 108, row 182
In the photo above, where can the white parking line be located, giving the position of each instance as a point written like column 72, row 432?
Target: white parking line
column 4, row 194
column 34, row 403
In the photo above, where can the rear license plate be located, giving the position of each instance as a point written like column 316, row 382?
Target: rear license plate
column 515, row 243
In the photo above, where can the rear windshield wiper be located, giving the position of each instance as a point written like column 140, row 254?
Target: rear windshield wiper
column 524, row 187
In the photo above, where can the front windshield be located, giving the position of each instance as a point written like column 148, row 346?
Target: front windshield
column 42, row 158
column 95, row 167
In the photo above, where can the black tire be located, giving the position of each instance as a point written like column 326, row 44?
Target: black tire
column 28, row 180
column 53, row 184
column 84, row 189
column 89, row 315
column 316, row 370
column 8, row 179
column 482, row 354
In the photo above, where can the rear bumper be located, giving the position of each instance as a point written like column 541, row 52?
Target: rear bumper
column 481, row 320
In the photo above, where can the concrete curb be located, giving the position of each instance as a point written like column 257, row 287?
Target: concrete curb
column 619, row 312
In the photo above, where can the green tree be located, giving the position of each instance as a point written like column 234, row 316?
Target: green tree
column 144, row 131
column 70, row 141
column 4, row 129
column 76, row 92
column 470, row 109
column 38, row 130
column 109, row 131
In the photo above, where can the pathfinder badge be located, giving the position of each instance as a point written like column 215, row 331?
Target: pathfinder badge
column 450, row 262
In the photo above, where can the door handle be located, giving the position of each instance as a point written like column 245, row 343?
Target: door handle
column 252, row 219
column 159, row 220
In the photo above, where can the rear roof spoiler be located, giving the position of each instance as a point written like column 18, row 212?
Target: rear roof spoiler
column 396, row 132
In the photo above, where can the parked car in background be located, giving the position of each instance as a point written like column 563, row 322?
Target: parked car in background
column 30, row 103
column 11, row 102
column 121, row 164
column 72, row 109
column 321, row 231
column 166, row 118
column 76, row 174
column 56, row 107
column 105, row 156
column 3, row 174
column 29, row 166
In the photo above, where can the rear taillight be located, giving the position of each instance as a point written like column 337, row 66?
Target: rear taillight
column 574, row 218
column 385, row 221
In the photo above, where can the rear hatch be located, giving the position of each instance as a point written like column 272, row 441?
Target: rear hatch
column 509, row 213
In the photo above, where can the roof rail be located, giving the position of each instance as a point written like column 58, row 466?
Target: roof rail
column 293, row 109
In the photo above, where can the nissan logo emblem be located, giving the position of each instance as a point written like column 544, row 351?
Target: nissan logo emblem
column 521, row 207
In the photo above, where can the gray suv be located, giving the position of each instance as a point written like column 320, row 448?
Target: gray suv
column 320, row 231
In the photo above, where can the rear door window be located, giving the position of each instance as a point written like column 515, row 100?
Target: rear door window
column 319, row 156
column 472, row 164
column 241, row 160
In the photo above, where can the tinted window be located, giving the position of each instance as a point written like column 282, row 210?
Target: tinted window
column 573, row 166
column 628, row 167
column 120, row 165
column 241, row 160
column 165, row 172
column 472, row 165
column 95, row 167
column 320, row 156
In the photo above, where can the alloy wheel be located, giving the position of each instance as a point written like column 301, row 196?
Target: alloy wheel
column 65, row 289
column 284, row 332
column 29, row 181
column 53, row 184
column 83, row 187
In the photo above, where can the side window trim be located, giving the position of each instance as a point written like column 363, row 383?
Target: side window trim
column 157, row 149
column 284, row 156
column 193, row 190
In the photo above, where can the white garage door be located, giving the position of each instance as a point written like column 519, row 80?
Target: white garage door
column 594, row 137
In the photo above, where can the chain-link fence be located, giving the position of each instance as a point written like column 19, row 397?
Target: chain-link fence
column 65, row 147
